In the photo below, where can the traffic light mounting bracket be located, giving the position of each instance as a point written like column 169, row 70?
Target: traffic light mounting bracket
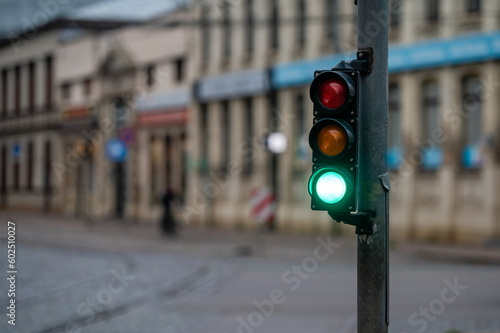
column 364, row 61
column 362, row 221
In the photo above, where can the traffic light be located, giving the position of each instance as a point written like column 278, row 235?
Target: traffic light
column 334, row 139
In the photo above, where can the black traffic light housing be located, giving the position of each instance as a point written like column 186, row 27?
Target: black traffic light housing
column 341, row 113
column 336, row 96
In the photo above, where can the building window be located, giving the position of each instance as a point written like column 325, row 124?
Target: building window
column 301, row 22
column 17, row 90
column 274, row 24
column 330, row 24
column 204, row 138
column 47, row 179
column 87, row 87
column 248, row 126
column 394, row 13
column 16, row 175
column 226, row 135
column 150, row 75
column 301, row 158
column 473, row 6
column 273, row 114
column 395, row 150
column 432, row 156
column 432, row 11
column 4, row 93
column 226, row 29
column 430, row 108
column 301, row 121
column 3, row 175
column 66, row 91
column 48, row 82
column 179, row 69
column 29, row 175
column 31, row 87
column 249, row 26
column 472, row 122
column 205, row 33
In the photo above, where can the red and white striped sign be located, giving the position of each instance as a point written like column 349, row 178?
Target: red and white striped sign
column 263, row 204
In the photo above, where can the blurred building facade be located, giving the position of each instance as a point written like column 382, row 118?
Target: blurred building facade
column 107, row 107
column 443, row 113
column 94, row 108
column 124, row 110
column 29, row 124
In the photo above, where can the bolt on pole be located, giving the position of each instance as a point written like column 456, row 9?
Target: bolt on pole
column 373, row 258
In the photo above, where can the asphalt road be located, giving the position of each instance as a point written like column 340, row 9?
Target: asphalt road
column 74, row 276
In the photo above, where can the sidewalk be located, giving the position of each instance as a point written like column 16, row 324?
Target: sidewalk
column 121, row 236
column 117, row 236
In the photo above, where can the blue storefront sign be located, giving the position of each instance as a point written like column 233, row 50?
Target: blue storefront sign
column 116, row 150
column 394, row 158
column 470, row 48
column 472, row 157
column 449, row 52
column 432, row 158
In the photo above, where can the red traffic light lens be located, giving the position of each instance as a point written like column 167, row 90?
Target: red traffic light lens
column 333, row 93
column 332, row 140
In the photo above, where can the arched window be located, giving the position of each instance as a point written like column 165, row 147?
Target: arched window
column 395, row 151
column 472, row 101
column 432, row 152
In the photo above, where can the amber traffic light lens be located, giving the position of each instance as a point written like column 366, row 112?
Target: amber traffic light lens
column 333, row 93
column 332, row 140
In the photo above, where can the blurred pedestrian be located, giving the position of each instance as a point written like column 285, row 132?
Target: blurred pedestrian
column 168, row 224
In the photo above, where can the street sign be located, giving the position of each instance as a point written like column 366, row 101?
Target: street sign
column 127, row 135
column 116, row 150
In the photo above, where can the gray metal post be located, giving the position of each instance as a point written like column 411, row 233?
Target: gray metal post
column 373, row 22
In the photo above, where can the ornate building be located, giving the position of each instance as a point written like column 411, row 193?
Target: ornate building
column 256, row 59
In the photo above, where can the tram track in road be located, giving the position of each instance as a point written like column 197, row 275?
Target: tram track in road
column 201, row 281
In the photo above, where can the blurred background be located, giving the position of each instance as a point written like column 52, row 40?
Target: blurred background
column 120, row 116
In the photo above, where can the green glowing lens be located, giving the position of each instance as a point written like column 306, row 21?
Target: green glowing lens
column 331, row 187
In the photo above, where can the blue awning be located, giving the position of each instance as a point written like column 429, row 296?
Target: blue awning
column 465, row 49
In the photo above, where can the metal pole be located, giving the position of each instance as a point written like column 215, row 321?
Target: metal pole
column 373, row 285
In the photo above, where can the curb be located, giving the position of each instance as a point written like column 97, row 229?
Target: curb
column 469, row 255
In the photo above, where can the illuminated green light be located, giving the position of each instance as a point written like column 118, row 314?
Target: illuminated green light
column 331, row 187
